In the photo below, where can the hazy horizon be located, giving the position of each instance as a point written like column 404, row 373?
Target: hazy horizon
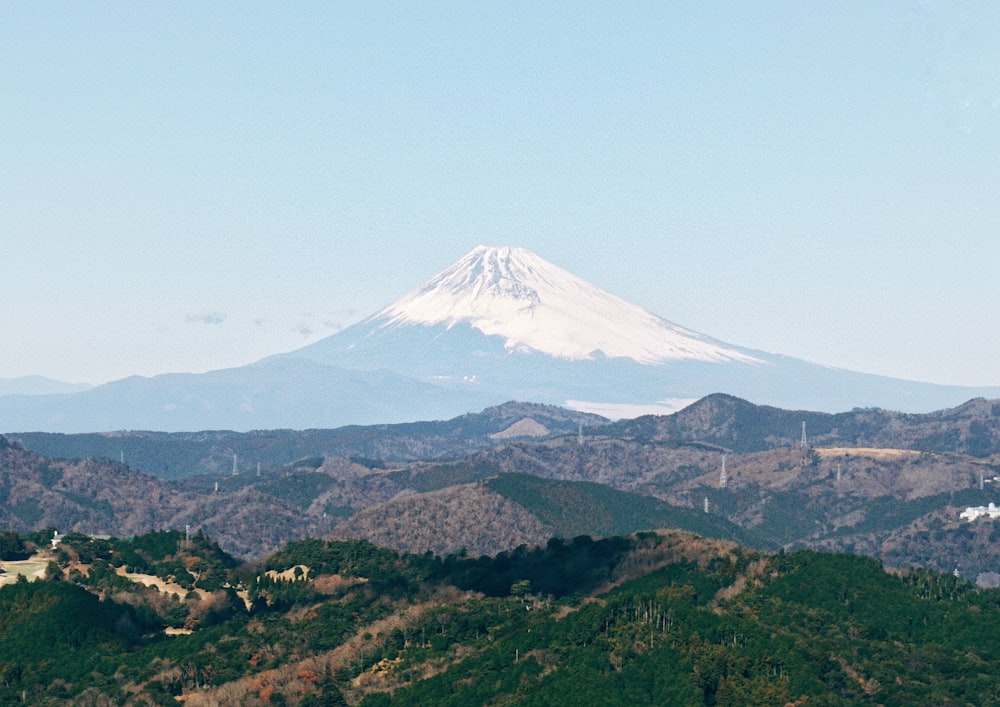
column 189, row 187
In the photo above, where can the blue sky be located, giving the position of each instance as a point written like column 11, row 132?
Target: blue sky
column 189, row 186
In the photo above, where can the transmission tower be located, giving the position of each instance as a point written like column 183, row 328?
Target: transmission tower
column 723, row 480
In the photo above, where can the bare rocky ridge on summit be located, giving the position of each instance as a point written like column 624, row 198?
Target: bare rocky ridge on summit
column 525, row 427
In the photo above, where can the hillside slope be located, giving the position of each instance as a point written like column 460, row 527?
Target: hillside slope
column 656, row 618
column 876, row 482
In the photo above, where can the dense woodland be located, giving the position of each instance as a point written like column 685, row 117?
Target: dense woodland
column 654, row 618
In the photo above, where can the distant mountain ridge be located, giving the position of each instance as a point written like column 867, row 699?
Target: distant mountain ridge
column 500, row 324
column 874, row 482
column 39, row 385
column 738, row 425
column 181, row 454
column 716, row 422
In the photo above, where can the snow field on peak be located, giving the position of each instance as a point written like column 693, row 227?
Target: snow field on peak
column 536, row 306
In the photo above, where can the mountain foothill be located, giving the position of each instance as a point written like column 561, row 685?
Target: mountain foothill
column 890, row 485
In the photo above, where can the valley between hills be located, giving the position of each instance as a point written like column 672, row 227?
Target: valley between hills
column 874, row 482
column 524, row 555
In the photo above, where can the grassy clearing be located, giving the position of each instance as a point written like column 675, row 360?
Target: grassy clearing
column 32, row 568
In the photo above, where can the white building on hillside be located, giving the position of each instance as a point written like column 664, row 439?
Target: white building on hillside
column 972, row 512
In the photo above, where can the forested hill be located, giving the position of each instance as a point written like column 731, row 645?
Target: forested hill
column 874, row 482
column 252, row 515
column 651, row 619
column 740, row 426
column 718, row 421
column 173, row 455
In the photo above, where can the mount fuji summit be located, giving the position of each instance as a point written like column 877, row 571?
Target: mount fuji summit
column 503, row 311
column 534, row 306
column 500, row 324
column 505, row 324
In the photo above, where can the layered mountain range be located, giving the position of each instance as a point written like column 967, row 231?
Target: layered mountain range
column 499, row 324
column 887, row 484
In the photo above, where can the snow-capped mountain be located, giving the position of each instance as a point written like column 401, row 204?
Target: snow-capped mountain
column 536, row 306
column 500, row 324
column 503, row 323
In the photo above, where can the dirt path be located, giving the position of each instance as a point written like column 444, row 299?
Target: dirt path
column 153, row 581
